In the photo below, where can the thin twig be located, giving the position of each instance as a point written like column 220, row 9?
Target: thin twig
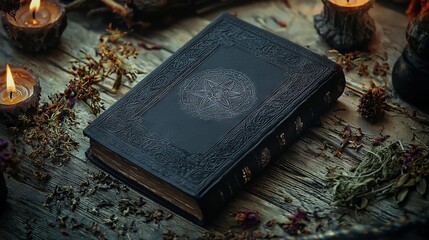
column 116, row 7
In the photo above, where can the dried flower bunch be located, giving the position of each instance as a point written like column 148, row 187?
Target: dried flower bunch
column 350, row 60
column 372, row 103
column 389, row 170
column 10, row 6
column 46, row 131
column 8, row 158
column 356, row 60
column 380, row 69
column 114, row 53
column 111, row 59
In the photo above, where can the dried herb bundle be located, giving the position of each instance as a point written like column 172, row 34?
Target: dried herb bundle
column 392, row 169
column 111, row 59
column 45, row 132
column 350, row 60
column 355, row 60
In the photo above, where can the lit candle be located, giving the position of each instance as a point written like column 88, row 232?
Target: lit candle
column 36, row 16
column 12, row 93
column 349, row 3
column 345, row 24
column 19, row 93
column 38, row 24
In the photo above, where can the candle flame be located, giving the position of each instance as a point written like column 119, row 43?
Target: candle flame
column 349, row 3
column 34, row 5
column 10, row 84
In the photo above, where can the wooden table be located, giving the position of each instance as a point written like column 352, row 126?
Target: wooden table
column 298, row 175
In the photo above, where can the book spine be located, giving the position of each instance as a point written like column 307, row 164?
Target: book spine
column 273, row 145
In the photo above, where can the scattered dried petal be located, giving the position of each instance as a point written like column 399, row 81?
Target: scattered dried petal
column 247, row 218
column 279, row 22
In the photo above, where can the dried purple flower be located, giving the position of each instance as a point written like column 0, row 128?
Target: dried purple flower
column 8, row 158
column 414, row 151
column 296, row 224
column 247, row 218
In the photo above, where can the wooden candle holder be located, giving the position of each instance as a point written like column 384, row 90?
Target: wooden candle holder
column 36, row 38
column 9, row 114
column 345, row 28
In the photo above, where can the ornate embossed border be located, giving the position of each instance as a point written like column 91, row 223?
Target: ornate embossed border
column 192, row 172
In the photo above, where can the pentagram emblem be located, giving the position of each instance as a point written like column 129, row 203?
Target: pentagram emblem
column 216, row 94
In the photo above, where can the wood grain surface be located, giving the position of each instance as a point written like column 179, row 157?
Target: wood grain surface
column 298, row 174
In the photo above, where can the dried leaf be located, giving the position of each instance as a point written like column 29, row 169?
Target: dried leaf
column 282, row 23
column 260, row 20
column 337, row 153
column 288, row 199
column 401, row 195
column 379, row 140
column 422, row 187
column 363, row 203
column 401, row 180
column 384, row 172
column 411, row 182
column 367, row 181
column 418, row 179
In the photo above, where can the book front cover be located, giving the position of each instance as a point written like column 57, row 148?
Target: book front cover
column 213, row 98
column 196, row 115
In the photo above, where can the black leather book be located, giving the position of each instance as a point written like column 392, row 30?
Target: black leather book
column 205, row 122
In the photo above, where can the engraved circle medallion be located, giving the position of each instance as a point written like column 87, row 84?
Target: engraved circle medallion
column 217, row 94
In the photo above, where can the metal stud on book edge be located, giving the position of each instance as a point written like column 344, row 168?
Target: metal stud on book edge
column 282, row 139
column 299, row 125
column 246, row 174
column 265, row 157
